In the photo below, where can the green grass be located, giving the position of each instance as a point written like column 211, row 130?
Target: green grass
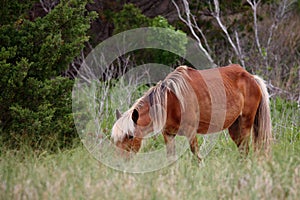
column 74, row 174
column 224, row 174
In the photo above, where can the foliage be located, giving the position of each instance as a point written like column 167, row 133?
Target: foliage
column 35, row 100
column 11, row 11
column 131, row 17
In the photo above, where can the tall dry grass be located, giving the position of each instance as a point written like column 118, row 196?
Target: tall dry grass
column 223, row 174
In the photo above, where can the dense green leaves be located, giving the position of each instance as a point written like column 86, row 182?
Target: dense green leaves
column 131, row 17
column 11, row 11
column 35, row 100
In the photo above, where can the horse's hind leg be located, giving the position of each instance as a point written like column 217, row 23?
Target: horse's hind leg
column 234, row 131
column 240, row 132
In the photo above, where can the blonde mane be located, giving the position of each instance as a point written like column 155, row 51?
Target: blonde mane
column 157, row 98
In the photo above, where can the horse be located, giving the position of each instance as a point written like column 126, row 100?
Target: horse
column 189, row 102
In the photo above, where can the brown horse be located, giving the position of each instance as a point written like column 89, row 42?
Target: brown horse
column 190, row 101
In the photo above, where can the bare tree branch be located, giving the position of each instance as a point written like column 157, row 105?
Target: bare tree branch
column 192, row 25
column 216, row 15
column 278, row 17
column 48, row 5
column 254, row 5
column 202, row 34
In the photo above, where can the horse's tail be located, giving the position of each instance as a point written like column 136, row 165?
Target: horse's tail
column 262, row 128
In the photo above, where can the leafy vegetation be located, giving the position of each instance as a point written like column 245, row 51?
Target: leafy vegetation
column 36, row 101
column 131, row 17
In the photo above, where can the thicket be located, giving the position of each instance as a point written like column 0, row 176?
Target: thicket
column 130, row 17
column 35, row 101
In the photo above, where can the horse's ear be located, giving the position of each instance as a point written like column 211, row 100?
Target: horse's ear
column 135, row 116
column 118, row 114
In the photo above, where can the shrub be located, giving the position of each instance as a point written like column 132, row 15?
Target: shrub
column 131, row 17
column 35, row 101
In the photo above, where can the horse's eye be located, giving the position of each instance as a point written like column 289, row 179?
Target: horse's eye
column 130, row 136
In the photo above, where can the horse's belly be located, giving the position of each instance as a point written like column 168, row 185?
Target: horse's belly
column 218, row 124
column 215, row 118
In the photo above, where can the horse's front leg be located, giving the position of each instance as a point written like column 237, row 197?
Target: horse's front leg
column 194, row 146
column 170, row 143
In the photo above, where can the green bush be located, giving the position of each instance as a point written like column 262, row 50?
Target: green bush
column 35, row 101
column 131, row 17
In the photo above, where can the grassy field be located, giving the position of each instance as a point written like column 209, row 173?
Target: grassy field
column 75, row 174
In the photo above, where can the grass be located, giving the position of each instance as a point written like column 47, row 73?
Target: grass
column 75, row 174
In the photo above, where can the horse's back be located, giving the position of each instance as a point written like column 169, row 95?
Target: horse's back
column 223, row 94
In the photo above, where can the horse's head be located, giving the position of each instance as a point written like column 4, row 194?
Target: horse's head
column 129, row 129
column 147, row 115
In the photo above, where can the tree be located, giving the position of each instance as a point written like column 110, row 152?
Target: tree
column 131, row 17
column 35, row 102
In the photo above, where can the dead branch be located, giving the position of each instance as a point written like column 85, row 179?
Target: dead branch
column 192, row 26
